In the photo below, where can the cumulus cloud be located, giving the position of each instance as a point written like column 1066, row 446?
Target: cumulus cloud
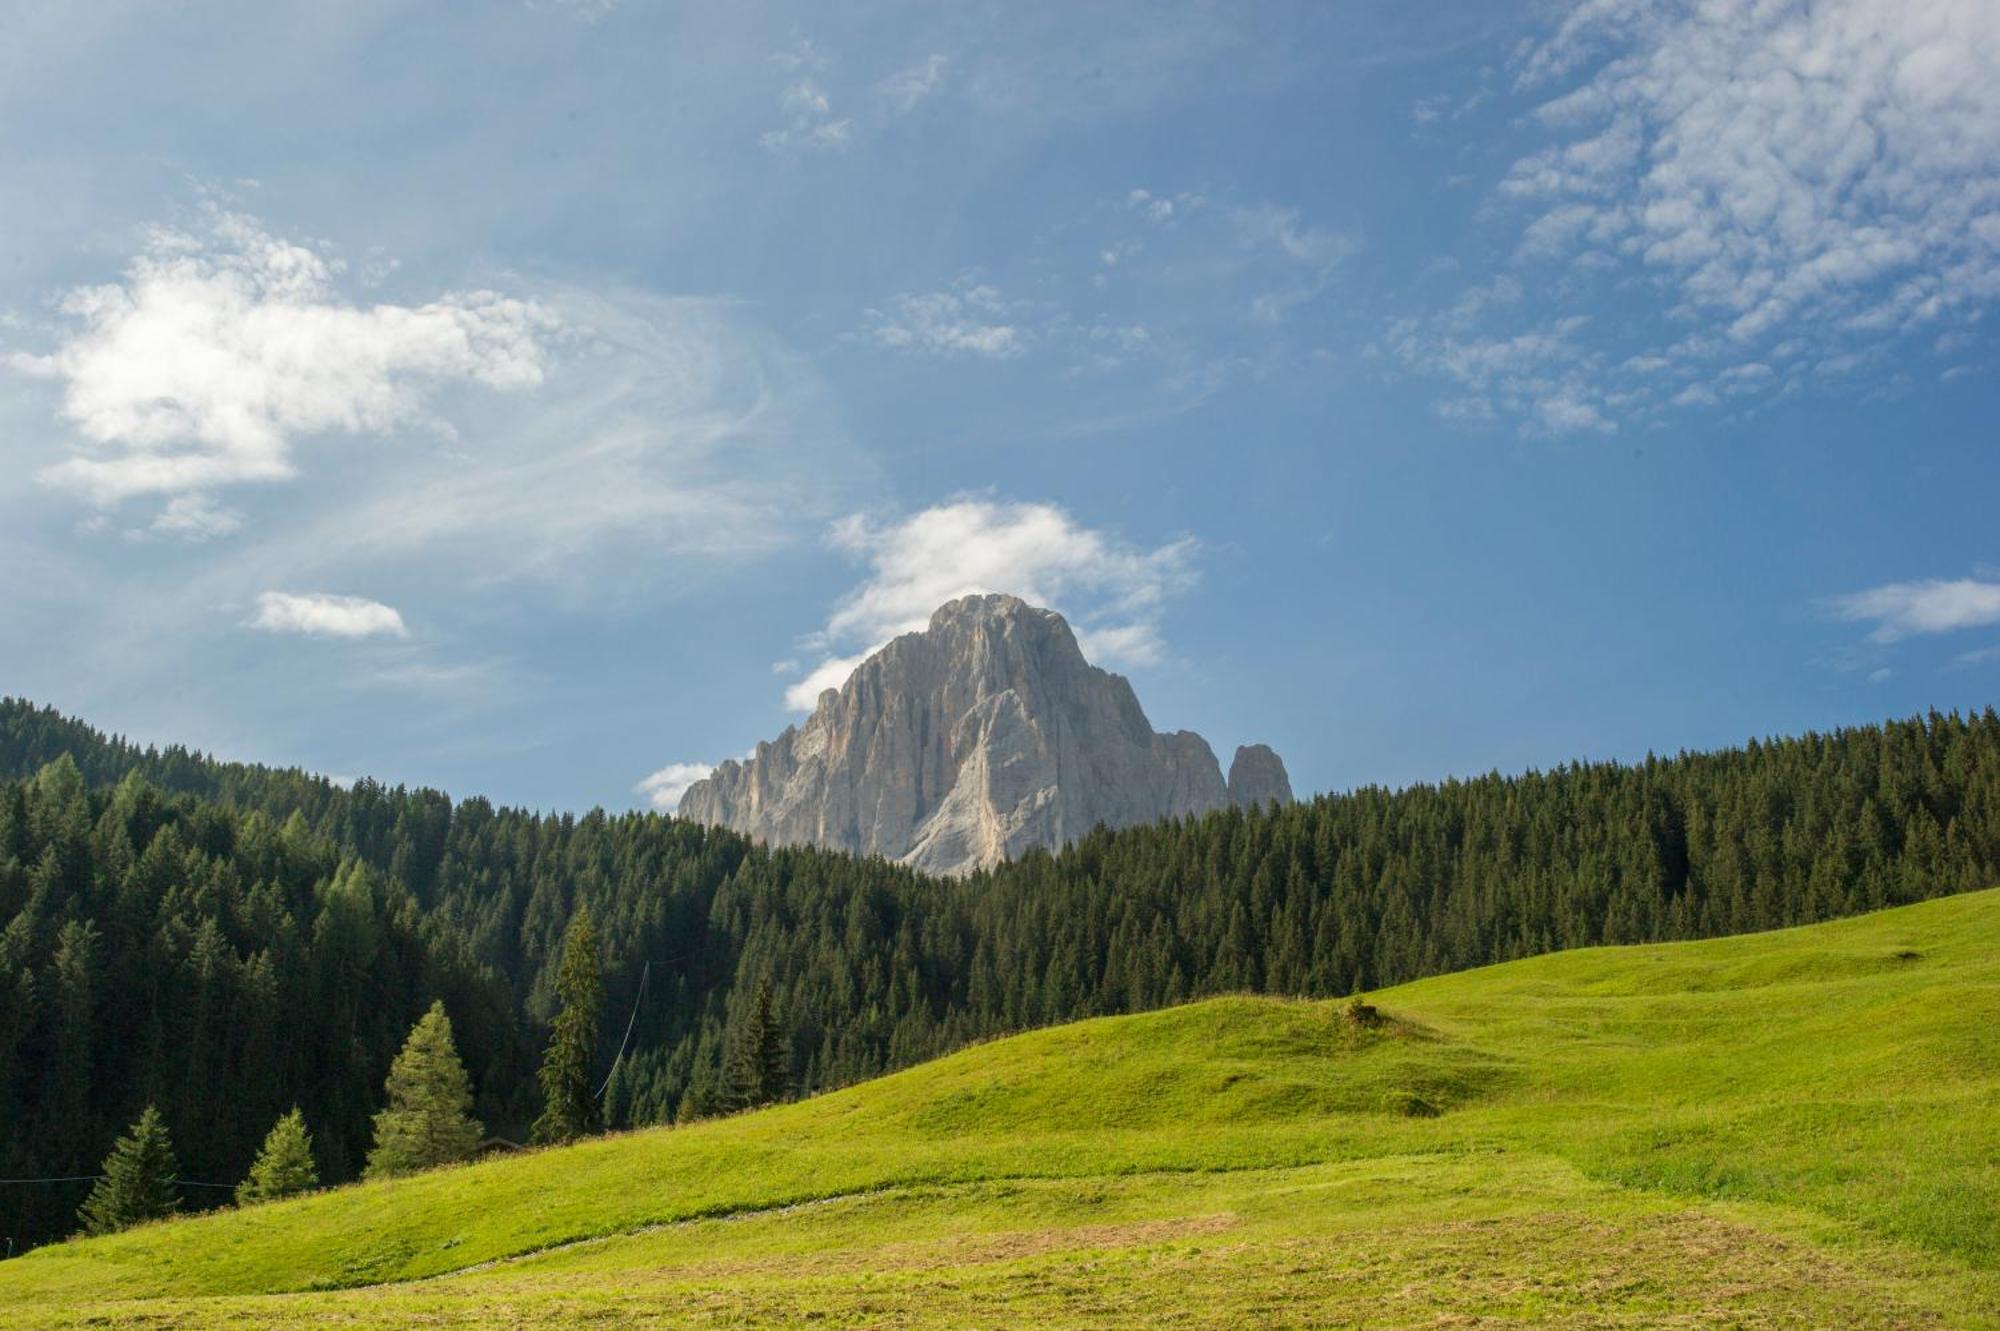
column 830, row 673
column 970, row 319
column 664, row 788
column 1113, row 592
column 1823, row 177
column 1902, row 609
column 672, row 438
column 323, row 615
column 224, row 344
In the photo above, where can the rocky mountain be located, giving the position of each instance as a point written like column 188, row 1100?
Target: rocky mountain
column 965, row 744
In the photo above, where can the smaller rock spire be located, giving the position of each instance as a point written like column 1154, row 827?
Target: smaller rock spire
column 1257, row 777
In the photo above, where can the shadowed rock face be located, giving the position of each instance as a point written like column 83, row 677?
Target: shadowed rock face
column 963, row 745
column 1257, row 777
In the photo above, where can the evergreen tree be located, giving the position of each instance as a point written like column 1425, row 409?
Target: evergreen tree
column 211, row 935
column 428, row 1120
column 284, row 1166
column 571, row 1110
column 756, row 1073
column 138, row 1181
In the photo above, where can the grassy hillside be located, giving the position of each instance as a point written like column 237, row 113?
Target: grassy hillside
column 1788, row 1129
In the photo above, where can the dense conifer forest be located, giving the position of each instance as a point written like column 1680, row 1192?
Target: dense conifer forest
column 226, row 941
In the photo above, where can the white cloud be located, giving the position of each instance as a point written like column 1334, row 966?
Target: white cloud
column 672, row 439
column 322, row 615
column 830, row 673
column 1113, row 592
column 1900, row 609
column 664, row 788
column 970, row 319
column 1161, row 208
column 1546, row 378
column 907, row 87
column 809, row 122
column 1821, row 174
column 224, row 344
column 195, row 517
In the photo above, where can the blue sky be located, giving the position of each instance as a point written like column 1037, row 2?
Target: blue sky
column 529, row 398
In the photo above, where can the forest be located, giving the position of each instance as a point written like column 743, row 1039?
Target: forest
column 225, row 941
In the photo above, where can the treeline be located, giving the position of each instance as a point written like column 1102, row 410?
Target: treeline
column 225, row 941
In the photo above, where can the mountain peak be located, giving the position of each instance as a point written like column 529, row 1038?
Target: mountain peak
column 988, row 605
column 981, row 736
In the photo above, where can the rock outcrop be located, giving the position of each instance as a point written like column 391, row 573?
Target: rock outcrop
column 1257, row 777
column 963, row 745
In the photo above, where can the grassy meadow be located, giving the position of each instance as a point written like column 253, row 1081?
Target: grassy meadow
column 1794, row 1129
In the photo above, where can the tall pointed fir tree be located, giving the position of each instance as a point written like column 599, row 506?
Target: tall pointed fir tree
column 138, row 1181
column 284, row 1166
column 428, row 1120
column 756, row 1072
column 571, row 1106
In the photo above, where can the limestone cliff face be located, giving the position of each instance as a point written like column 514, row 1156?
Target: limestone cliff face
column 963, row 745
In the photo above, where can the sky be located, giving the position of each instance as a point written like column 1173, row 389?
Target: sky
column 545, row 400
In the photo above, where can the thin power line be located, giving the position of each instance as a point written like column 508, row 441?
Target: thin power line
column 92, row 1178
column 643, row 976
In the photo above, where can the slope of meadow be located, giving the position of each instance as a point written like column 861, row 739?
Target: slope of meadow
column 1798, row 1128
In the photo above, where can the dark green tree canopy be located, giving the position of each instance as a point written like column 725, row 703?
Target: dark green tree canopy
column 228, row 941
column 759, row 1067
column 569, row 1098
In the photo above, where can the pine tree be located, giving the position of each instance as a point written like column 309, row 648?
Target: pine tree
column 284, row 1166
column 138, row 1182
column 571, row 1110
column 428, row 1120
column 757, row 1069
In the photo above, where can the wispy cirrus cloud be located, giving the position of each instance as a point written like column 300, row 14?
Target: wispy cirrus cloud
column 810, row 123
column 324, row 615
column 1113, row 591
column 907, row 88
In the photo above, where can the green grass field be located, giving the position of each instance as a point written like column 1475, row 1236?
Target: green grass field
column 1797, row 1129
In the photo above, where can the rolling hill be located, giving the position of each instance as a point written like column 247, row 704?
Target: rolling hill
column 1795, row 1128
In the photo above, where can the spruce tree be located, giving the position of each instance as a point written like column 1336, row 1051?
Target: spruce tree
column 138, row 1181
column 284, row 1166
column 428, row 1120
column 571, row 1110
column 756, row 1073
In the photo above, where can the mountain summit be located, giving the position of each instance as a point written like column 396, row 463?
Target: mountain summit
column 965, row 744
